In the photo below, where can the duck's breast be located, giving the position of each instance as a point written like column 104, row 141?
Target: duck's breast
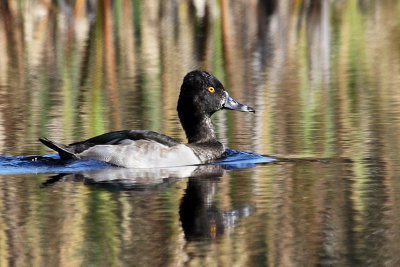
column 142, row 154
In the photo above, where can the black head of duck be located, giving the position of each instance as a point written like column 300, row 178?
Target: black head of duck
column 201, row 96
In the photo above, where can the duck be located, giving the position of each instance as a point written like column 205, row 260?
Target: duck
column 201, row 95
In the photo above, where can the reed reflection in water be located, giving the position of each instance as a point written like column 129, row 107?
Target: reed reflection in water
column 322, row 75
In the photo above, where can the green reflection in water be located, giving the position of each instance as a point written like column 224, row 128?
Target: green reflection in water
column 354, row 33
column 101, row 230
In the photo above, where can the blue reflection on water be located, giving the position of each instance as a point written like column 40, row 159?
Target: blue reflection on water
column 47, row 164
column 240, row 159
column 52, row 164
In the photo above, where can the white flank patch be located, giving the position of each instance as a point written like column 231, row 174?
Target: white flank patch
column 142, row 154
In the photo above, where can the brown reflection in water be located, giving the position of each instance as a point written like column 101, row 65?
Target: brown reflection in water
column 110, row 66
column 13, row 94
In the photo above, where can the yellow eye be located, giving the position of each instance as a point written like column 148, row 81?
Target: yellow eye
column 211, row 89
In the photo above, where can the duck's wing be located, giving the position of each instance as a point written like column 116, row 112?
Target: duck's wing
column 118, row 137
column 112, row 138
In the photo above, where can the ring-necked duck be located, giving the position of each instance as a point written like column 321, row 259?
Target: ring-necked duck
column 201, row 96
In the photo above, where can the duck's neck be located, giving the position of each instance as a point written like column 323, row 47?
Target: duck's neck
column 198, row 129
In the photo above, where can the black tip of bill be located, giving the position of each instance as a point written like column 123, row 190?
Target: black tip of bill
column 232, row 104
column 250, row 109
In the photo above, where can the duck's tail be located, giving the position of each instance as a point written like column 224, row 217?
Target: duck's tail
column 62, row 150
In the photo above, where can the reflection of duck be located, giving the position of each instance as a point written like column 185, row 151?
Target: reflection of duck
column 122, row 179
column 201, row 96
column 200, row 218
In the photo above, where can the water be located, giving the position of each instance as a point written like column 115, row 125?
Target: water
column 323, row 77
column 53, row 164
